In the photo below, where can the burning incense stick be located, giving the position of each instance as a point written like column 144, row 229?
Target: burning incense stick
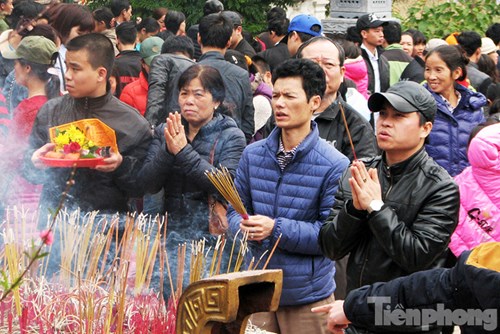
column 223, row 181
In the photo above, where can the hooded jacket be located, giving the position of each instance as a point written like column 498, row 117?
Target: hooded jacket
column 93, row 190
column 299, row 199
column 479, row 218
column 450, row 132
column 355, row 69
column 411, row 232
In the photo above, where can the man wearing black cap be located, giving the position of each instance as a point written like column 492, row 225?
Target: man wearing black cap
column 394, row 213
column 370, row 27
column 238, row 43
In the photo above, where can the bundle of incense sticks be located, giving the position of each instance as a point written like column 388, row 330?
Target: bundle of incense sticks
column 222, row 180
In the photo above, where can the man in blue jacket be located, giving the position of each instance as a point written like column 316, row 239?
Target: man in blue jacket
column 287, row 183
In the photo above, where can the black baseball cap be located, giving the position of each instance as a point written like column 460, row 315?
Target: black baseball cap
column 406, row 97
column 368, row 21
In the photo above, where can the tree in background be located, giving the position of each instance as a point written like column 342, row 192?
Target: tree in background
column 253, row 11
column 440, row 20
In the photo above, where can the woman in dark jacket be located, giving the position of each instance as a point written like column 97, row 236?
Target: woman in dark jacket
column 459, row 109
column 187, row 145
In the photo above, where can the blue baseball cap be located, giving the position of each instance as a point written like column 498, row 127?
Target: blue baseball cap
column 304, row 23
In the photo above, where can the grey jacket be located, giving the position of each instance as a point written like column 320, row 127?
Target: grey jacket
column 163, row 93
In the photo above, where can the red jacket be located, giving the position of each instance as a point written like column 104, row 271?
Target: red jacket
column 135, row 94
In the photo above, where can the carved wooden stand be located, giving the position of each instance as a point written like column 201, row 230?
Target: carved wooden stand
column 223, row 303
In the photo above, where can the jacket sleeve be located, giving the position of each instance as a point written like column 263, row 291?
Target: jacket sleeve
column 421, row 290
column 157, row 165
column 159, row 76
column 125, row 175
column 417, row 247
column 243, row 187
column 248, row 111
column 301, row 237
column 342, row 230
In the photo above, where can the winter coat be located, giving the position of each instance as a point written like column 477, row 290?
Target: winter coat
column 163, row 93
column 299, row 199
column 414, row 71
column 129, row 66
column 135, row 94
column 450, row 133
column 355, row 69
column 470, row 286
column 183, row 176
column 238, row 91
column 275, row 55
column 332, row 128
column 93, row 190
column 479, row 218
column 409, row 233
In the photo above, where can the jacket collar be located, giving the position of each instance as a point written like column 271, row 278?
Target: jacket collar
column 211, row 55
column 406, row 166
column 332, row 111
column 272, row 142
column 86, row 103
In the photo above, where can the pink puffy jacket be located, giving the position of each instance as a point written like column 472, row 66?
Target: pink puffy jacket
column 355, row 69
column 479, row 217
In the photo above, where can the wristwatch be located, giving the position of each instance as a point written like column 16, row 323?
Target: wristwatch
column 375, row 205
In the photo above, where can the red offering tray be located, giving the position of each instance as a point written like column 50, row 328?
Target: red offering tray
column 68, row 163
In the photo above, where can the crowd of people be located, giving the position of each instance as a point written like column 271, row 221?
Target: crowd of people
column 366, row 156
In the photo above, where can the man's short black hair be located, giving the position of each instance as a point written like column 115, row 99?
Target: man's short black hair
column 181, row 44
column 493, row 32
column 279, row 25
column 149, row 24
column 99, row 49
column 215, row 31
column 470, row 41
column 126, row 33
column 311, row 74
column 117, row 6
column 392, row 32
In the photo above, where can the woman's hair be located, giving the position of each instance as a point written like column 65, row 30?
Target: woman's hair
column 159, row 12
column 173, row 20
column 150, row 24
column 52, row 84
column 44, row 30
column 452, row 57
column 418, row 36
column 105, row 15
column 487, row 65
column 209, row 77
column 65, row 16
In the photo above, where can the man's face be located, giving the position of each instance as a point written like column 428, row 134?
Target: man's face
column 81, row 79
column 235, row 37
column 293, row 43
column 7, row 7
column 399, row 134
column 326, row 55
column 291, row 108
column 373, row 36
column 127, row 14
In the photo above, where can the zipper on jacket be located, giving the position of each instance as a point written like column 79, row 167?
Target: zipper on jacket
column 390, row 183
column 278, row 185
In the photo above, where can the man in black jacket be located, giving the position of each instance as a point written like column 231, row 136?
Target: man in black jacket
column 214, row 36
column 339, row 127
column 394, row 213
column 278, row 28
column 370, row 27
column 108, row 186
column 466, row 295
